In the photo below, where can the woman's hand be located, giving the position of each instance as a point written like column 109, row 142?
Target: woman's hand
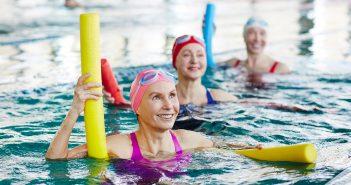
column 112, row 100
column 108, row 97
column 58, row 148
column 83, row 91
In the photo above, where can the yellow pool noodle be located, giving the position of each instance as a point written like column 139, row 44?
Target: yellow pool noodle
column 93, row 111
column 302, row 153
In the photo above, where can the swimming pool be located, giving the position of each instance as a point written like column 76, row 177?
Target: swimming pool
column 39, row 58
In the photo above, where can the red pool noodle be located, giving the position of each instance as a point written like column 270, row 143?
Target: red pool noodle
column 110, row 83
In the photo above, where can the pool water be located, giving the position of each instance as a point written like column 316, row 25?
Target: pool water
column 40, row 62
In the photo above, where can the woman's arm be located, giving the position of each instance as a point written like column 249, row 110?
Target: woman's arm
column 279, row 106
column 234, row 146
column 222, row 96
column 195, row 140
column 58, row 148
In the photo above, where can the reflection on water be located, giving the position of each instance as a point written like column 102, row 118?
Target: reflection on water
column 348, row 53
column 134, row 35
column 306, row 24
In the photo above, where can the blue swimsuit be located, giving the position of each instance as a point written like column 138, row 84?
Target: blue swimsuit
column 187, row 112
column 210, row 99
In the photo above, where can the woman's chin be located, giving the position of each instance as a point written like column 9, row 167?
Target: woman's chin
column 256, row 51
column 165, row 124
column 195, row 75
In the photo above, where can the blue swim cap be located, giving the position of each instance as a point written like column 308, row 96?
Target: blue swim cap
column 255, row 22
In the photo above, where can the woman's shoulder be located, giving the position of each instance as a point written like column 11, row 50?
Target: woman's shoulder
column 119, row 145
column 190, row 139
column 234, row 62
column 222, row 96
column 276, row 66
column 182, row 133
column 281, row 68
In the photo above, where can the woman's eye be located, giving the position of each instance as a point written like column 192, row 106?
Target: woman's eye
column 186, row 55
column 155, row 98
column 172, row 95
column 250, row 32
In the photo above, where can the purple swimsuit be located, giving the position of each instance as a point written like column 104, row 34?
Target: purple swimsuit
column 137, row 156
column 148, row 171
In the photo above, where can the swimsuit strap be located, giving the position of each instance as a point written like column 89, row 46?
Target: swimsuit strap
column 210, row 99
column 274, row 67
column 236, row 64
column 178, row 149
column 136, row 155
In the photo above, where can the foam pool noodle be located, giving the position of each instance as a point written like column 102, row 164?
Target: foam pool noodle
column 110, row 83
column 302, row 153
column 208, row 31
column 90, row 62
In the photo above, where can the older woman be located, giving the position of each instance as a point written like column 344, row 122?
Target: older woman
column 255, row 37
column 155, row 102
column 189, row 59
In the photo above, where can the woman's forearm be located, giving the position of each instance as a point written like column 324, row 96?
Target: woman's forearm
column 234, row 146
column 58, row 148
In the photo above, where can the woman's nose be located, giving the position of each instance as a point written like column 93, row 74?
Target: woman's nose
column 167, row 104
column 194, row 59
column 256, row 37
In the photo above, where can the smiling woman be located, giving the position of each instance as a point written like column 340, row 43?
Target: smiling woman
column 154, row 100
column 255, row 37
column 189, row 59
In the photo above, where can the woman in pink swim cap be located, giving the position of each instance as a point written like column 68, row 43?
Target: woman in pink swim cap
column 154, row 100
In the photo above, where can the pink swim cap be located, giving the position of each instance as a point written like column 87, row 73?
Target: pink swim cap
column 182, row 41
column 142, row 81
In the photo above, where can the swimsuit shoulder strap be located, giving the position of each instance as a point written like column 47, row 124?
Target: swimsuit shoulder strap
column 177, row 147
column 274, row 67
column 136, row 154
column 210, row 99
column 236, row 63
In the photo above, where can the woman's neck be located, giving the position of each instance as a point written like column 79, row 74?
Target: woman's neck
column 189, row 91
column 154, row 141
column 253, row 59
column 258, row 62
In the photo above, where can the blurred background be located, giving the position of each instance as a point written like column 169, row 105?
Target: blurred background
column 39, row 40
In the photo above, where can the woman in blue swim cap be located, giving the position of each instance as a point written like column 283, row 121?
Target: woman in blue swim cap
column 255, row 37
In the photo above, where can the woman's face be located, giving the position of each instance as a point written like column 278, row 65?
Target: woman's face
column 191, row 61
column 255, row 40
column 159, row 106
